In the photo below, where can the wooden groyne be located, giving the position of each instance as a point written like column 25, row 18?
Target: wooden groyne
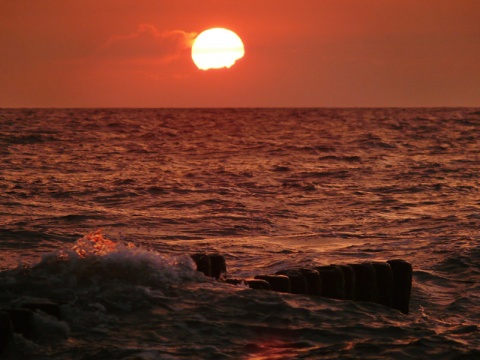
column 387, row 283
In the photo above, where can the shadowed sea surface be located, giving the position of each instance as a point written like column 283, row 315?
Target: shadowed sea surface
column 267, row 188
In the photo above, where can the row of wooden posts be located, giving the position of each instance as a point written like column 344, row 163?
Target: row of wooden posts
column 388, row 283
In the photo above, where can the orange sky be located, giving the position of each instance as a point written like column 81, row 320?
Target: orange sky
column 136, row 53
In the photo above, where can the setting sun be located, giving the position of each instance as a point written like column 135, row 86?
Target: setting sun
column 217, row 48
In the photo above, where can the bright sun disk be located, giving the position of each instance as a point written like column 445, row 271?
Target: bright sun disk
column 217, row 48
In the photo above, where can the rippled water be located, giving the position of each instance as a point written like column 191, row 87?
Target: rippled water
column 269, row 189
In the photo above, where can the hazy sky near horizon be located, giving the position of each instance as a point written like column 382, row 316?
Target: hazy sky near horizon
column 333, row 53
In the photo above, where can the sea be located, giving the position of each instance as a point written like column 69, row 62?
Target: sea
column 101, row 210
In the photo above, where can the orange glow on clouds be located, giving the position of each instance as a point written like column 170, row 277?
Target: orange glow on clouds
column 147, row 43
column 119, row 53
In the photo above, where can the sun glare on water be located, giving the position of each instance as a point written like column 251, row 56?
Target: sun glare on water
column 217, row 48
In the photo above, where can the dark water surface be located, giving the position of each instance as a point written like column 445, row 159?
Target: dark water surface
column 269, row 189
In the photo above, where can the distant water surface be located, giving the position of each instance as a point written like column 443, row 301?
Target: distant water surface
column 267, row 188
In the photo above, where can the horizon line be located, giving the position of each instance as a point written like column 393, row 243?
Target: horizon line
column 236, row 107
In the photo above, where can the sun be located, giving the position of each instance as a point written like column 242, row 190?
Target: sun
column 217, row 48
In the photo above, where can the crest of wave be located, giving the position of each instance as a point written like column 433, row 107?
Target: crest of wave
column 95, row 260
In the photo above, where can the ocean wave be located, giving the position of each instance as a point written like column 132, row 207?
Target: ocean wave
column 269, row 189
column 114, row 289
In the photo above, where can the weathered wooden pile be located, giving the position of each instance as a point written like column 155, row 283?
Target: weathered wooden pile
column 388, row 283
